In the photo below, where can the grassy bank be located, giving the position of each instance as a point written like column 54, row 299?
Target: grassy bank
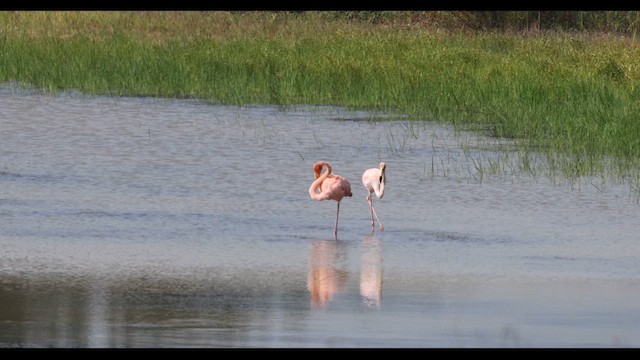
column 571, row 93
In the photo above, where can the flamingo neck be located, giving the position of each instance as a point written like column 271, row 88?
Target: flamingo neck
column 313, row 189
column 379, row 189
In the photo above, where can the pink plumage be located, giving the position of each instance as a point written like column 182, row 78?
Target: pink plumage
column 329, row 186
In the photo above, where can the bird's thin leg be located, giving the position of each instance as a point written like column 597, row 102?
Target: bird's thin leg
column 373, row 213
column 371, row 209
column 379, row 222
column 335, row 231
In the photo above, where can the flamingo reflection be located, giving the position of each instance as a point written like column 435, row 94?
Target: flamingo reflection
column 327, row 271
column 371, row 271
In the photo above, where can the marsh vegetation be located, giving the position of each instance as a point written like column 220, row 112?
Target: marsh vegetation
column 566, row 84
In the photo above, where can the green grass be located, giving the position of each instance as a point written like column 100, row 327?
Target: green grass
column 565, row 93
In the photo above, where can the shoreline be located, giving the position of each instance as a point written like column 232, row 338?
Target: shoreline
column 568, row 93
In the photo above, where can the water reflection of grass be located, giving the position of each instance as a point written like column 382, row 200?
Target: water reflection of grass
column 567, row 94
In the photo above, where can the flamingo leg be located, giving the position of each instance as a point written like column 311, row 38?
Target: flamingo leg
column 335, row 231
column 373, row 213
column 371, row 210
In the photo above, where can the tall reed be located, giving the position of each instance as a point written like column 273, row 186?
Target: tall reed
column 570, row 93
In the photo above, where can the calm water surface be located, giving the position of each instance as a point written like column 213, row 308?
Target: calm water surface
column 170, row 223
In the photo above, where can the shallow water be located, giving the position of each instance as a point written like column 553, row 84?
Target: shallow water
column 171, row 223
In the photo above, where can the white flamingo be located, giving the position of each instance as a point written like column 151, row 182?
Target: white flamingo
column 374, row 179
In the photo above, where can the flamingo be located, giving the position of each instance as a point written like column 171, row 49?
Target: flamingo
column 329, row 186
column 374, row 179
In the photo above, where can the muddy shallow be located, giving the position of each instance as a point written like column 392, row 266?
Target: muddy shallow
column 170, row 223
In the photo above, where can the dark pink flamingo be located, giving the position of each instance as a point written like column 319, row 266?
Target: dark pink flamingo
column 329, row 186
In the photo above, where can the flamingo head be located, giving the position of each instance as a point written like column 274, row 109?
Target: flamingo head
column 317, row 168
column 383, row 177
